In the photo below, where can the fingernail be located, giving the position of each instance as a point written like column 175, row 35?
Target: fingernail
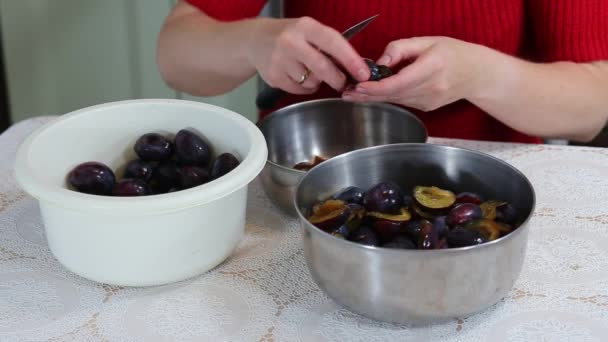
column 384, row 60
column 347, row 96
column 363, row 74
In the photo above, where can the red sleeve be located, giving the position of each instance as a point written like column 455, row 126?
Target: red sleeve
column 569, row 30
column 229, row 10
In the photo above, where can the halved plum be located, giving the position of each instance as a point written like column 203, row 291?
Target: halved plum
column 469, row 197
column 384, row 197
column 332, row 214
column 491, row 230
column 462, row 213
column 432, row 197
column 417, row 211
column 388, row 225
column 489, row 208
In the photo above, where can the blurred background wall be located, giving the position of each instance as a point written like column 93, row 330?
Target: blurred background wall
column 62, row 55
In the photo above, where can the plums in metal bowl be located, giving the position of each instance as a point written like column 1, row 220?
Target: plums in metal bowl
column 431, row 218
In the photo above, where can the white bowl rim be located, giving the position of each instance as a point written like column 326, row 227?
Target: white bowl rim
column 247, row 171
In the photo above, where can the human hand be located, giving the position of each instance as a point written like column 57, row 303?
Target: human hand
column 444, row 70
column 282, row 50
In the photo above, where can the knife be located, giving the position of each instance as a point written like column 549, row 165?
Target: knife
column 269, row 97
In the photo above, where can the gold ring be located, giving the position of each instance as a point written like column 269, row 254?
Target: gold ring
column 304, row 76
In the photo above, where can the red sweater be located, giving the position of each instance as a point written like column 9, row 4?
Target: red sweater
column 540, row 30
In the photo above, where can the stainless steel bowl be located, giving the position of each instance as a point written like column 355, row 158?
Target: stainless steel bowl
column 415, row 286
column 327, row 128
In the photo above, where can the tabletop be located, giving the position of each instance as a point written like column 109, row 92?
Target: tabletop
column 264, row 292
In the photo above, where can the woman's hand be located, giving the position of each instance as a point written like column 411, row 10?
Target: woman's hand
column 282, row 50
column 443, row 70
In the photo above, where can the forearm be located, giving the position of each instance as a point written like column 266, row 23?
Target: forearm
column 201, row 56
column 556, row 100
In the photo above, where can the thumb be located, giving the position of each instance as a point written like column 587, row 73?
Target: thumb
column 404, row 49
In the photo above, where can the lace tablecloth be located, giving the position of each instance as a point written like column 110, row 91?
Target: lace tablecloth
column 263, row 292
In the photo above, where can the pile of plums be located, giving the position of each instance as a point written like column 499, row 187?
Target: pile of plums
column 163, row 165
column 428, row 217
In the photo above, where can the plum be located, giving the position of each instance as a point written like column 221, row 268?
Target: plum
column 166, row 176
column 191, row 149
column 462, row 213
column 365, row 236
column 461, row 237
column 351, row 194
column 432, row 197
column 153, row 147
column 92, row 178
column 491, row 230
column 131, row 187
column 139, row 169
column 384, row 197
column 223, row 164
column 191, row 176
column 387, row 226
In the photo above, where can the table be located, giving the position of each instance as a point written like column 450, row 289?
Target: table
column 263, row 292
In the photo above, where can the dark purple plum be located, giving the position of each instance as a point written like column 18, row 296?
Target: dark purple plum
column 191, row 176
column 377, row 72
column 223, row 164
column 351, row 194
column 400, row 242
column 365, row 236
column 92, row 178
column 429, row 237
column 413, row 228
column 131, row 187
column 191, row 149
column 153, row 147
column 460, row 237
column 507, row 214
column 469, row 197
column 441, row 226
column 139, row 169
column 166, row 176
column 385, row 197
column 462, row 213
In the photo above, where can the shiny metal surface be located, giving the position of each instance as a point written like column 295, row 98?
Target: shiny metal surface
column 415, row 286
column 327, row 128
column 352, row 31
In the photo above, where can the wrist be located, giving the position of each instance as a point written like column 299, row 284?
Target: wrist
column 495, row 73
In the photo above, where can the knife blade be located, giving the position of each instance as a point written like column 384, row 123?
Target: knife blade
column 269, row 97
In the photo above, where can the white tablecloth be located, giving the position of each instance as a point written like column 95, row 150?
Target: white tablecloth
column 264, row 291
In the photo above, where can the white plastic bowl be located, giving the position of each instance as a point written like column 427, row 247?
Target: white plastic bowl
column 139, row 241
